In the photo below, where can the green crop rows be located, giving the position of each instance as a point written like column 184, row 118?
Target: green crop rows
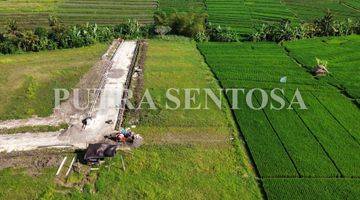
column 31, row 13
column 243, row 15
column 320, row 142
column 182, row 5
column 342, row 54
column 312, row 188
column 310, row 9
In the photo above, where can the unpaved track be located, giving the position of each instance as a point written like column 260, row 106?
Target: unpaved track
column 50, row 121
column 107, row 109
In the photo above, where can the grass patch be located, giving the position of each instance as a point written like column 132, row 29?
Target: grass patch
column 29, row 79
column 189, row 152
column 17, row 184
column 34, row 129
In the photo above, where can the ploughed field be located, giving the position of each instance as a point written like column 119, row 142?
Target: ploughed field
column 244, row 15
column 103, row 12
column 301, row 153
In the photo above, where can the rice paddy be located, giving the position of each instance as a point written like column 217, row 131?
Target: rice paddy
column 293, row 145
column 30, row 14
column 245, row 15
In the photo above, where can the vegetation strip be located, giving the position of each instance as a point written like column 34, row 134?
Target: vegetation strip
column 33, row 129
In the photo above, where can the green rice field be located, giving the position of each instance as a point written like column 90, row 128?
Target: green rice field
column 342, row 54
column 319, row 143
column 170, row 6
column 280, row 132
column 105, row 12
column 244, row 15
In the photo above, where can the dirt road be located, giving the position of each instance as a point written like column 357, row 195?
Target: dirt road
column 106, row 109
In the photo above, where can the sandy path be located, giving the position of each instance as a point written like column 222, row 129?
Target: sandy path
column 51, row 121
column 107, row 109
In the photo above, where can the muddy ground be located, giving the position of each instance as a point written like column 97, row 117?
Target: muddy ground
column 33, row 161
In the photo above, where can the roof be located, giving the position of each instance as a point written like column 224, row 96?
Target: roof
column 100, row 150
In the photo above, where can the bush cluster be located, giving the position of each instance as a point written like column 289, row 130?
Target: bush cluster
column 189, row 24
column 59, row 36
column 325, row 26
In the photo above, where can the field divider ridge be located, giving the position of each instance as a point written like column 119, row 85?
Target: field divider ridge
column 317, row 139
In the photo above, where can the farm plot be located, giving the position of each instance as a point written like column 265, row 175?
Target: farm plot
column 355, row 4
column 27, row 80
column 313, row 143
column 309, row 10
column 230, row 13
column 312, row 188
column 190, row 150
column 263, row 11
column 170, row 6
column 183, row 142
column 244, row 15
column 342, row 56
column 36, row 13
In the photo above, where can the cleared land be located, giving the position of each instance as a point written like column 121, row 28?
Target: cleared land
column 314, row 143
column 27, row 81
column 243, row 15
column 103, row 12
column 188, row 153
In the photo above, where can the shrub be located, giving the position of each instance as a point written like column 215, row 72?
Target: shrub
column 161, row 18
column 325, row 26
column 129, row 30
column 202, row 37
column 104, row 34
column 41, row 32
column 30, row 42
column 187, row 24
column 7, row 47
column 220, row 34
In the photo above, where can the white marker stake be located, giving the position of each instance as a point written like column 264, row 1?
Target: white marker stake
column 72, row 162
column 61, row 165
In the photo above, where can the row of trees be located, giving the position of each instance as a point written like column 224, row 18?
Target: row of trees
column 59, row 36
column 325, row 26
column 189, row 24
column 195, row 25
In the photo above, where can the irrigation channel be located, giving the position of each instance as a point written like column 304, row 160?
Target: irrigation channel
column 107, row 106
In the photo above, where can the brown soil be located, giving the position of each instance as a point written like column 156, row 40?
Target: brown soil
column 32, row 161
column 137, row 84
